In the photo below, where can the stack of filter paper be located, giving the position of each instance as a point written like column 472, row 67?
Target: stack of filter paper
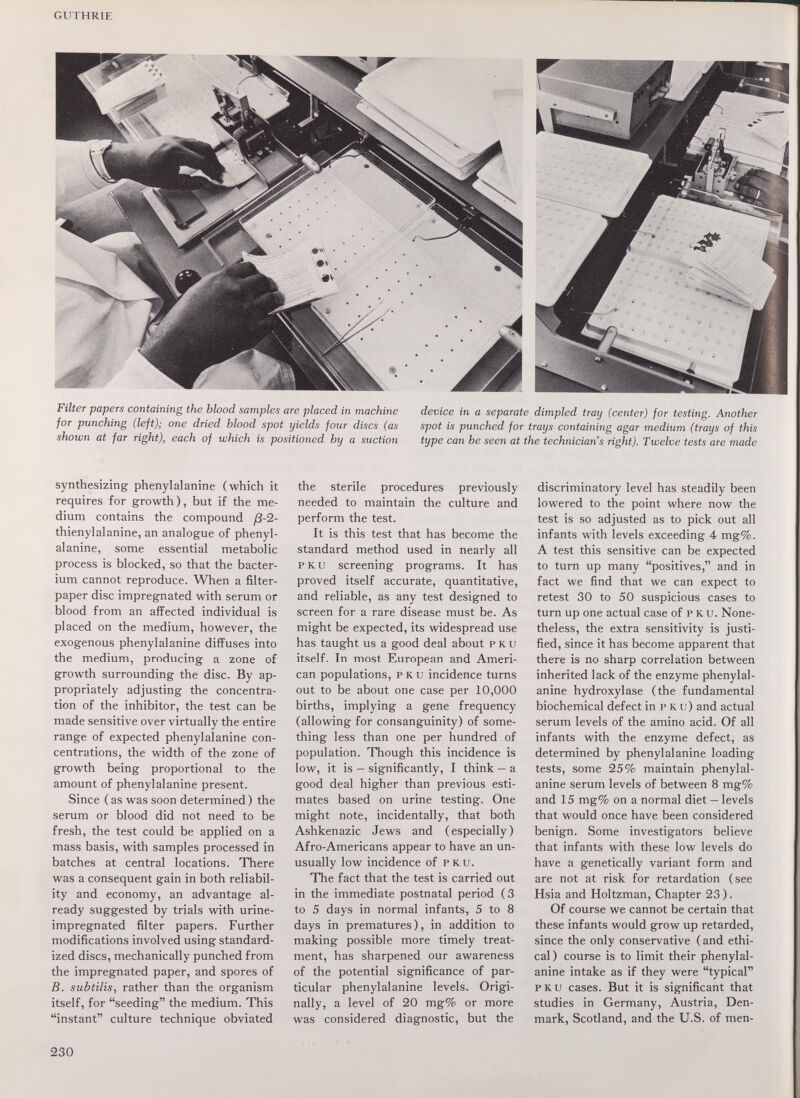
column 684, row 294
column 131, row 90
column 756, row 129
column 718, row 265
column 494, row 180
column 684, row 76
column 442, row 107
column 578, row 185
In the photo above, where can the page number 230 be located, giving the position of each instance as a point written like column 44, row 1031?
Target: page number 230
column 61, row 1051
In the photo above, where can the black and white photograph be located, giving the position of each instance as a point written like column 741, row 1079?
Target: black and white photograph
column 365, row 744
column 239, row 222
column 662, row 226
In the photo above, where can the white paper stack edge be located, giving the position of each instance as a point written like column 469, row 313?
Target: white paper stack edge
column 685, row 75
column 718, row 265
column 494, row 182
column 442, row 107
column 134, row 88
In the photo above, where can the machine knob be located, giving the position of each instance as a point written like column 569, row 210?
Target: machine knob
column 185, row 280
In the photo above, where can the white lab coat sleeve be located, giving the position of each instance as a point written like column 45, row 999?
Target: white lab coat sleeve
column 75, row 173
column 138, row 373
column 248, row 370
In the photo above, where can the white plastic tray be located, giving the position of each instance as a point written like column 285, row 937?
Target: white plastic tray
column 564, row 237
column 452, row 96
column 587, row 173
column 419, row 301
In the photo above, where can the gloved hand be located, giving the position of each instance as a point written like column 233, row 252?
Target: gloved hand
column 157, row 161
column 221, row 315
column 764, row 188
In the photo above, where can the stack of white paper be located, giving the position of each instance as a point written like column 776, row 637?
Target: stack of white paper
column 442, row 107
column 685, row 75
column 500, row 179
column 756, row 129
column 772, row 127
column 139, row 83
column 494, row 181
column 718, row 265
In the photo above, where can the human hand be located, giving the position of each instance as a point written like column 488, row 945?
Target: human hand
column 221, row 315
column 157, row 161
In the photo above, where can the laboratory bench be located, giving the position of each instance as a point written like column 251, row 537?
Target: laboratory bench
column 319, row 125
column 566, row 358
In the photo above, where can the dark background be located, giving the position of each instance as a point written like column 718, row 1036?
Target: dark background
column 77, row 116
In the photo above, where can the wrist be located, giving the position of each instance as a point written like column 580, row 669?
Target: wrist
column 115, row 161
column 171, row 360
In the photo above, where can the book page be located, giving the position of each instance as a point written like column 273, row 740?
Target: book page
column 399, row 681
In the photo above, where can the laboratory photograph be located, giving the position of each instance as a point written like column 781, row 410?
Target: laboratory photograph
column 258, row 222
column 662, row 227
